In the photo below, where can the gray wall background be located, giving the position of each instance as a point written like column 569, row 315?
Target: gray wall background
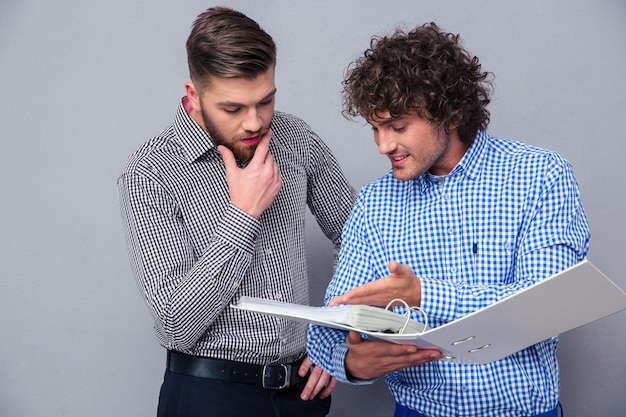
column 82, row 84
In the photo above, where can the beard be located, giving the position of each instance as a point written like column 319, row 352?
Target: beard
column 423, row 161
column 242, row 154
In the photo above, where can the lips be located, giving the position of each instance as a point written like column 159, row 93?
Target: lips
column 397, row 160
column 252, row 140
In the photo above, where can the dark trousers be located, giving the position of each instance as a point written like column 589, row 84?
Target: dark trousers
column 189, row 396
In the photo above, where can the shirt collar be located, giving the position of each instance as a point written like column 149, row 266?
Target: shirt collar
column 193, row 139
column 471, row 163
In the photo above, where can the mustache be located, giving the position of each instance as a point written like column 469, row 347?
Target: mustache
column 250, row 135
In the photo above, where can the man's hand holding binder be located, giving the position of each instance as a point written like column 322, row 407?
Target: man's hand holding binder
column 368, row 359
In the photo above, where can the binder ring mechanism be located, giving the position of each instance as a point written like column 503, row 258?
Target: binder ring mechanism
column 467, row 339
column 407, row 314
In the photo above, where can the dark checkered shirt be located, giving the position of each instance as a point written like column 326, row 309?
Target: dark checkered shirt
column 193, row 254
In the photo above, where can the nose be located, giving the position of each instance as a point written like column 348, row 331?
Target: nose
column 386, row 143
column 252, row 121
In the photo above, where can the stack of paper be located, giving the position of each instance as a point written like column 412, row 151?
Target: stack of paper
column 359, row 317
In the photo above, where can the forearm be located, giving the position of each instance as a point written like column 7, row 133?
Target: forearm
column 185, row 282
column 205, row 290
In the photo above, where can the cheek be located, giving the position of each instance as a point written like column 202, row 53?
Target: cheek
column 228, row 126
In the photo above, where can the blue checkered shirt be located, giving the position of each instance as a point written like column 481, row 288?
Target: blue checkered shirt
column 507, row 216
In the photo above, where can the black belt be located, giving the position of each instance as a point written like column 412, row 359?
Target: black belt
column 273, row 376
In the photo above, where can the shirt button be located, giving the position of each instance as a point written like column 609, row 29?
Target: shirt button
column 278, row 296
column 447, row 196
column 451, row 230
column 453, row 269
column 269, row 251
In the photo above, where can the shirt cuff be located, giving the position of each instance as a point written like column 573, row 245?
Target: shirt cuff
column 339, row 360
column 439, row 301
column 239, row 228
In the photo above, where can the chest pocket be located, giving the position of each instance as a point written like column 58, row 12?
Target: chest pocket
column 493, row 260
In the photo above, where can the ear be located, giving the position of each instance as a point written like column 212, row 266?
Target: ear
column 192, row 94
column 457, row 120
column 192, row 103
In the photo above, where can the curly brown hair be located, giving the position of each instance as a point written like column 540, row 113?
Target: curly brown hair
column 425, row 71
column 226, row 43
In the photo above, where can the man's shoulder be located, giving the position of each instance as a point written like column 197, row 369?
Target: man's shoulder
column 284, row 117
column 289, row 123
column 292, row 134
column 515, row 150
column 151, row 152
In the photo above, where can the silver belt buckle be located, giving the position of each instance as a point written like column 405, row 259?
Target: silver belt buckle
column 286, row 372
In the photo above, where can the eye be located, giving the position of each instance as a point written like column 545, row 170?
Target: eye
column 398, row 129
column 231, row 110
column 267, row 101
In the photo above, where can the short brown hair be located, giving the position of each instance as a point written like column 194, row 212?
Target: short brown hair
column 226, row 43
column 425, row 71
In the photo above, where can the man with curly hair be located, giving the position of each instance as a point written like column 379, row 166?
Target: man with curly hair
column 462, row 220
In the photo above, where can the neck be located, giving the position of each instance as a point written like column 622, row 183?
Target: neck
column 455, row 152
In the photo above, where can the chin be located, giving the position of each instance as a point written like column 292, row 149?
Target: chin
column 244, row 155
column 400, row 175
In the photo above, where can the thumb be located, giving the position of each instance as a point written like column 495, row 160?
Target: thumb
column 354, row 337
column 398, row 269
column 227, row 157
column 393, row 267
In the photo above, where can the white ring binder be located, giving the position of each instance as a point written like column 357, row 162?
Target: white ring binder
column 467, row 339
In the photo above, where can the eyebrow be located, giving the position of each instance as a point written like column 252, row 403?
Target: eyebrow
column 231, row 103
